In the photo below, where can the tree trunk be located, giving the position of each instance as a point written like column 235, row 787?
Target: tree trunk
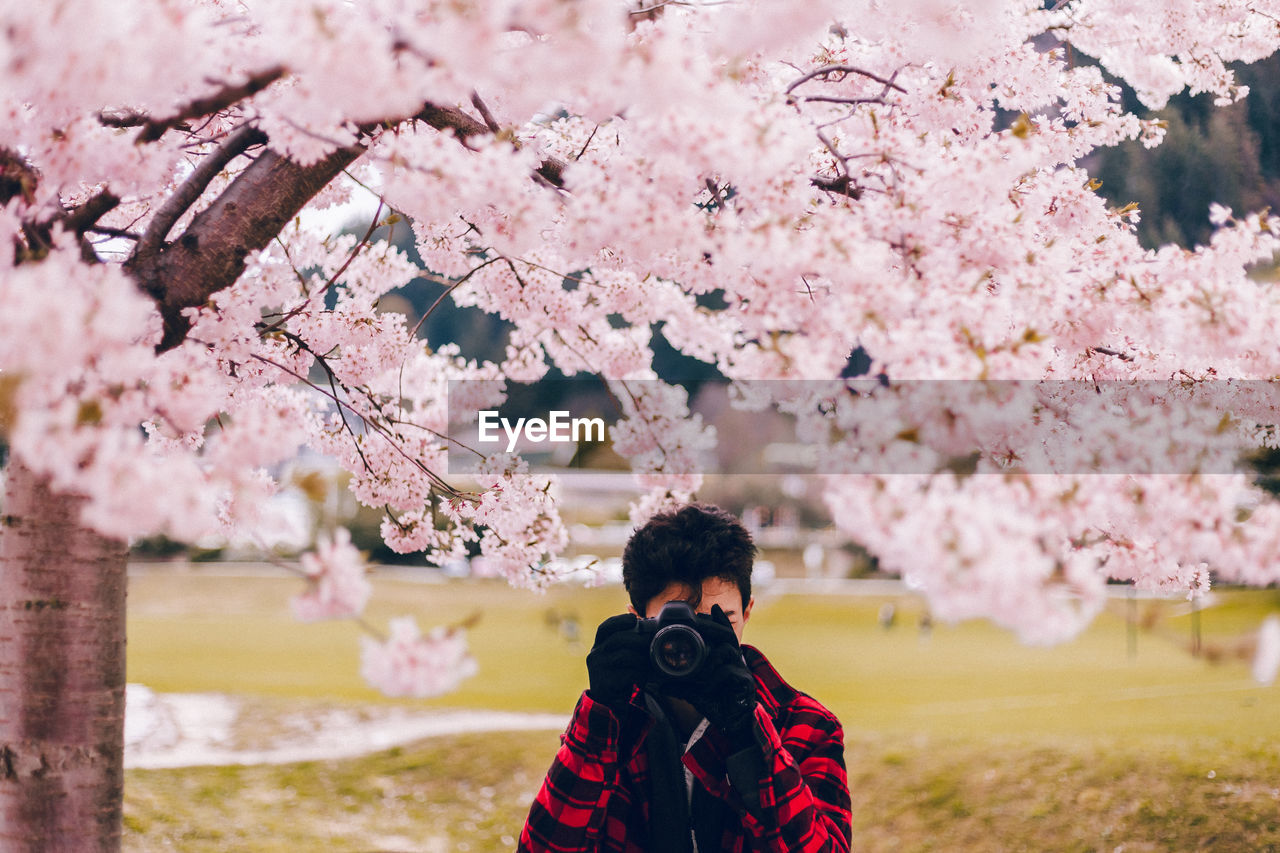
column 62, row 674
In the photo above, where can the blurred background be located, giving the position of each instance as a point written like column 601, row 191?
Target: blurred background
column 248, row 730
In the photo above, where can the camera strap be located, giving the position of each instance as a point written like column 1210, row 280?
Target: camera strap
column 668, row 800
column 708, row 821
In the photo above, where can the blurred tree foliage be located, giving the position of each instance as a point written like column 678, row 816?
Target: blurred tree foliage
column 1229, row 155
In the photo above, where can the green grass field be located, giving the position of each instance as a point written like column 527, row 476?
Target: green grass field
column 959, row 738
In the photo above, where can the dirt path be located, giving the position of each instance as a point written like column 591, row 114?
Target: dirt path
column 193, row 729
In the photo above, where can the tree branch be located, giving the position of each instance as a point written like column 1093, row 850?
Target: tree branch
column 123, row 233
column 489, row 121
column 194, row 186
column 1123, row 356
column 830, row 99
column 842, row 70
column 442, row 118
column 464, row 127
column 842, row 185
column 551, row 170
column 17, row 177
column 81, row 219
column 153, row 129
column 210, row 255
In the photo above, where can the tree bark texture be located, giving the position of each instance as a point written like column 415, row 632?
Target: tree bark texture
column 62, row 674
column 210, row 254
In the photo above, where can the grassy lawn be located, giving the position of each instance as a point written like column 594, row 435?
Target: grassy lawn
column 958, row 737
column 471, row 793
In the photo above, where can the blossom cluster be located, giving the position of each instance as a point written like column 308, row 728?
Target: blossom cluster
column 337, row 586
column 410, row 664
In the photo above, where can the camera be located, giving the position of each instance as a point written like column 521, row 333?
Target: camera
column 677, row 648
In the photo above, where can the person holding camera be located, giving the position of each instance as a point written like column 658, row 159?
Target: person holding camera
column 687, row 741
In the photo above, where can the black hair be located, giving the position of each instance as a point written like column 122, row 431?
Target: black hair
column 687, row 546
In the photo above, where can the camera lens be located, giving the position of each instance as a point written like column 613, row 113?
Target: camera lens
column 677, row 650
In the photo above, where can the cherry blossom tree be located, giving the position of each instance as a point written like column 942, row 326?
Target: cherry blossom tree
column 905, row 178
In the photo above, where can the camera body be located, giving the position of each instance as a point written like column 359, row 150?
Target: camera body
column 676, row 646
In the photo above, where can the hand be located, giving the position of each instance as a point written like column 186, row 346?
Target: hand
column 724, row 691
column 618, row 661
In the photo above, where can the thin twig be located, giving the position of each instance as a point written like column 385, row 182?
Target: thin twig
column 369, row 422
column 297, row 273
column 843, row 70
column 586, row 144
column 333, row 387
column 153, row 129
column 808, row 287
column 489, row 121
column 830, row 99
column 841, row 160
column 451, row 288
column 364, row 241
column 373, row 226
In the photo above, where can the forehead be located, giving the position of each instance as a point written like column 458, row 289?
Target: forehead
column 714, row 591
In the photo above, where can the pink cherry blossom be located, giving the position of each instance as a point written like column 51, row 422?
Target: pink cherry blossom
column 336, row 583
column 410, row 664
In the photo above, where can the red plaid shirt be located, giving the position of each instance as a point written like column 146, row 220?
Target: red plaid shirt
column 595, row 796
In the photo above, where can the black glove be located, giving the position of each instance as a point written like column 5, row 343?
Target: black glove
column 724, row 690
column 618, row 661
